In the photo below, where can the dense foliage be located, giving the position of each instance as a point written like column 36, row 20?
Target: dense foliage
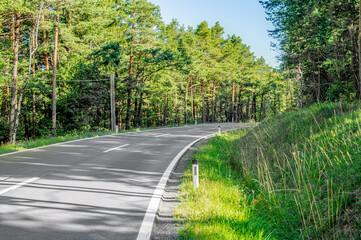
column 58, row 55
column 320, row 43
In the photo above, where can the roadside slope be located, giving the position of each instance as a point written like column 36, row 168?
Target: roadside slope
column 295, row 176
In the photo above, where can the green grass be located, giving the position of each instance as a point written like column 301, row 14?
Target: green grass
column 219, row 209
column 23, row 145
column 296, row 176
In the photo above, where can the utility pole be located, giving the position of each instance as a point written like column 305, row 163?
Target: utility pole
column 112, row 102
column 55, row 62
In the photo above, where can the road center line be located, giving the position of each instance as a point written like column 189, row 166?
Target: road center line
column 18, row 185
column 162, row 135
column 116, row 148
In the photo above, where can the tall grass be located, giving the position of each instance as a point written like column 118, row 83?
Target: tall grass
column 301, row 172
column 219, row 209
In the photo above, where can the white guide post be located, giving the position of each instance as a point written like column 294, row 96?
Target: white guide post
column 195, row 171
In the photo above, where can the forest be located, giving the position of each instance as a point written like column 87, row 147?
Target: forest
column 320, row 43
column 58, row 58
column 72, row 68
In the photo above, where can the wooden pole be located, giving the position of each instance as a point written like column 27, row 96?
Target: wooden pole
column 55, row 61
column 112, row 102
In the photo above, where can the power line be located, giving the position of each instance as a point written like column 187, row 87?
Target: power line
column 63, row 80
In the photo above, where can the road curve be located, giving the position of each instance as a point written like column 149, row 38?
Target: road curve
column 89, row 189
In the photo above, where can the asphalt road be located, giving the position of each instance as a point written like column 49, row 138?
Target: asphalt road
column 96, row 188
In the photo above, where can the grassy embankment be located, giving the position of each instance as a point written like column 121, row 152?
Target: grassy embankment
column 296, row 176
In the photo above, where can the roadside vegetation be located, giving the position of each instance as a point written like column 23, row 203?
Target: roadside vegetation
column 33, row 143
column 85, row 133
column 296, row 176
column 164, row 73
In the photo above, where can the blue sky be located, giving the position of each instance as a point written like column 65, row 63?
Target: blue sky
column 244, row 18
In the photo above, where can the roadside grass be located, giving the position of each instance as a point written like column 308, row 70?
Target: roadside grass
column 295, row 176
column 219, row 209
column 23, row 145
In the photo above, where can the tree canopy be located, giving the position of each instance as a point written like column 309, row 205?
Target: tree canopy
column 164, row 73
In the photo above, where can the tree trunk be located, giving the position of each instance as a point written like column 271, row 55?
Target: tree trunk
column 135, row 118
column 129, row 85
column 46, row 56
column 261, row 116
column 254, row 107
column 214, row 102
column 216, row 107
column 139, row 110
column 192, row 99
column 203, row 101
column 238, row 93
column 129, row 103
column 226, row 113
column 241, row 113
column 112, row 103
column 232, row 103
column 208, row 110
column 15, row 47
column 55, row 62
column 220, row 108
column 176, row 107
column 34, row 115
column 33, row 45
column 247, row 108
column 120, row 114
column 26, row 125
column 165, row 110
column 185, row 104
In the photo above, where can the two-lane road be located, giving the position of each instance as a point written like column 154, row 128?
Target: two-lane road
column 97, row 188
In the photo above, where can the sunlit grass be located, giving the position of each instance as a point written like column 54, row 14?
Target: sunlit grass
column 297, row 175
column 219, row 209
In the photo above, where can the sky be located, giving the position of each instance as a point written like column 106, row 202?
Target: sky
column 244, row 18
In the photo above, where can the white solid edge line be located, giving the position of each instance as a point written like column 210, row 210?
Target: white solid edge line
column 115, row 148
column 148, row 221
column 18, row 185
column 146, row 228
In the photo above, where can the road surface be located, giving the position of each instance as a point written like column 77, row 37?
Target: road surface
column 91, row 189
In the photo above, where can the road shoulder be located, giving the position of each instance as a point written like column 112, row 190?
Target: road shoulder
column 165, row 227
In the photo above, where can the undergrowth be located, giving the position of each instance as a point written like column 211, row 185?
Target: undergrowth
column 295, row 176
column 27, row 144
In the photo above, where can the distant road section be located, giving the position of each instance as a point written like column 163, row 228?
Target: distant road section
column 90, row 189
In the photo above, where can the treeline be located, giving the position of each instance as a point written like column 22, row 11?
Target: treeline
column 321, row 46
column 57, row 57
